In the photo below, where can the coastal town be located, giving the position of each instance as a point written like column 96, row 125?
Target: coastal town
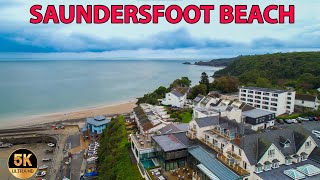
column 253, row 134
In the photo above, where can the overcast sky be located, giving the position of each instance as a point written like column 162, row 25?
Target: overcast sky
column 21, row 40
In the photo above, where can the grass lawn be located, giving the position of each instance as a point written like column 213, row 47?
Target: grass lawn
column 186, row 117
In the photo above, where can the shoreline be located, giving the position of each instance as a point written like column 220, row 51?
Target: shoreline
column 77, row 114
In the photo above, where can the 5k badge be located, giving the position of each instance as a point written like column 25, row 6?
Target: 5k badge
column 22, row 163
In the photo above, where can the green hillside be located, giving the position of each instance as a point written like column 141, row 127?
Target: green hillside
column 300, row 70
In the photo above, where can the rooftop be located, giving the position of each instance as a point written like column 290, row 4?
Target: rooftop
column 173, row 128
column 98, row 120
column 255, row 113
column 212, row 164
column 141, row 141
column 207, row 121
column 180, row 91
column 277, row 174
column 305, row 97
column 168, row 142
column 264, row 89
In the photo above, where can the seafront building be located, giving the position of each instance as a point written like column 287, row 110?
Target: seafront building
column 95, row 125
column 177, row 97
column 149, row 118
column 228, row 139
column 276, row 101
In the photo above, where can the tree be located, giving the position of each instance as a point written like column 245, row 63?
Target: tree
column 197, row 89
column 204, row 79
column 182, row 82
column 263, row 82
column 161, row 91
column 227, row 84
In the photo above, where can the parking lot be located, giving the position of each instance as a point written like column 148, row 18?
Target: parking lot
column 37, row 148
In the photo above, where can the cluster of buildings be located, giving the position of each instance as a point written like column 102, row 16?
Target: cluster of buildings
column 228, row 138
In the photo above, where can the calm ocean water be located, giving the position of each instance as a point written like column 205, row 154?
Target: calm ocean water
column 36, row 87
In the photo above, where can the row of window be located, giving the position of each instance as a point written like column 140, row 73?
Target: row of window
column 257, row 92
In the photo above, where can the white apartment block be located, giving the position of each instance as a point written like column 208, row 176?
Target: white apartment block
column 276, row 101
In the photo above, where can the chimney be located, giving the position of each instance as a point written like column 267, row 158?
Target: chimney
column 237, row 140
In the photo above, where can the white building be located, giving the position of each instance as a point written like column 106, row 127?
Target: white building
column 277, row 101
column 308, row 101
column 177, row 97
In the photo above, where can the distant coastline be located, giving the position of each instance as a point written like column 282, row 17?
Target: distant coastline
column 221, row 63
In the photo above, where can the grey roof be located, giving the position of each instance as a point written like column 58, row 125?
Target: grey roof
column 255, row 113
column 98, row 121
column 264, row 89
column 306, row 97
column 180, row 91
column 168, row 142
column 315, row 155
column 198, row 98
column 229, row 108
column 182, row 126
column 255, row 145
column 212, row 164
column 182, row 137
column 170, row 128
column 277, row 174
column 207, row 121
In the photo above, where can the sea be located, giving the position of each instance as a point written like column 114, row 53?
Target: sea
column 39, row 87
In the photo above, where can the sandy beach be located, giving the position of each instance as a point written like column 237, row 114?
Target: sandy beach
column 120, row 108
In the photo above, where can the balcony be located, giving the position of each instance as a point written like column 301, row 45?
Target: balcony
column 234, row 167
column 219, row 134
column 235, row 156
column 212, row 146
column 191, row 135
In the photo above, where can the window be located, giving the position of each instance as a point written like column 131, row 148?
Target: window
column 275, row 95
column 273, row 109
column 288, row 107
column 275, row 165
column 302, row 102
column 287, row 144
column 266, row 94
column 289, row 98
column 288, row 161
column 251, row 92
column 258, row 169
column 243, row 99
column 244, row 164
column 267, row 167
column 257, row 97
column 239, row 152
column 304, row 157
column 243, row 90
column 232, row 147
column 271, row 153
column 288, row 102
column 274, row 99
column 308, row 144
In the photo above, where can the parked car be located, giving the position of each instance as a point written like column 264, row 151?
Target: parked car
column 40, row 174
column 288, row 121
column 294, row 121
column 299, row 120
column 315, row 132
column 280, row 121
column 303, row 119
column 42, row 167
column 318, row 118
column 46, row 159
column 51, row 144
column 311, row 118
